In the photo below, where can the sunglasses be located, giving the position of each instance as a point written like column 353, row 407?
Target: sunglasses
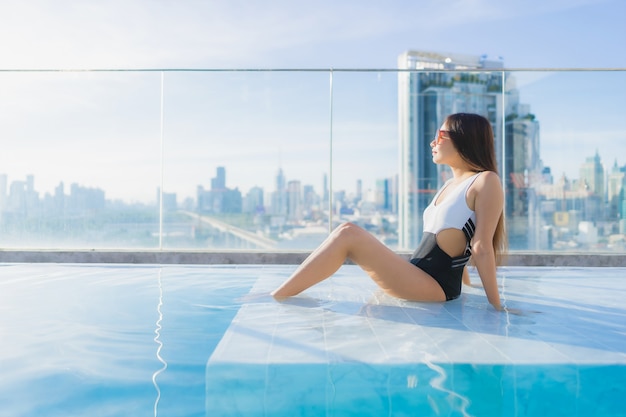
column 440, row 136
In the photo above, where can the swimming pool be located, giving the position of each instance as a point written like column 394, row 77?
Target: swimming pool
column 120, row 340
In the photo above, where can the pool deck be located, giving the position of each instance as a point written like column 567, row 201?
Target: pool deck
column 571, row 317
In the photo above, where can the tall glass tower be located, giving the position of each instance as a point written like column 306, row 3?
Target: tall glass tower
column 430, row 87
column 433, row 86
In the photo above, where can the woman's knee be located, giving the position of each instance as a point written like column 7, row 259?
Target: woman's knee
column 348, row 230
column 346, row 227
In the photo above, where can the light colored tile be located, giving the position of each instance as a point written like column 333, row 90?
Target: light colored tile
column 405, row 342
column 567, row 319
column 526, row 351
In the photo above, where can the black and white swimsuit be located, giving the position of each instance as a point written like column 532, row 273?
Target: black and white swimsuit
column 451, row 213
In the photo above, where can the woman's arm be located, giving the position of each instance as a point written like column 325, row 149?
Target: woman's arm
column 488, row 205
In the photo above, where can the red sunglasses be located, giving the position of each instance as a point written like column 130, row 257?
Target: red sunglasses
column 440, row 136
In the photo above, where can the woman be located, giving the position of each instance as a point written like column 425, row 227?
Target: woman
column 465, row 218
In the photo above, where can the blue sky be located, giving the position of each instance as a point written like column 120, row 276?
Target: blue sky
column 136, row 34
column 306, row 34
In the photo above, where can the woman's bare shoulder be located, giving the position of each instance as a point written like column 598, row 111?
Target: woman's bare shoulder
column 488, row 178
column 490, row 187
column 487, row 185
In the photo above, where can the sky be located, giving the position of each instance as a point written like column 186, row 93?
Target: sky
column 66, row 142
column 305, row 34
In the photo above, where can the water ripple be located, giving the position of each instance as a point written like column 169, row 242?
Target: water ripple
column 157, row 331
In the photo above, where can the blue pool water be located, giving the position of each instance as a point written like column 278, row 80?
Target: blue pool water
column 122, row 340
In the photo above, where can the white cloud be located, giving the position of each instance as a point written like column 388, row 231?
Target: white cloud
column 114, row 34
column 157, row 33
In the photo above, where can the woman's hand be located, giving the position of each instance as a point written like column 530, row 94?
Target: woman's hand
column 508, row 310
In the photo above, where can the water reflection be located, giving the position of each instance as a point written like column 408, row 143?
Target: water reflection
column 438, row 382
column 157, row 338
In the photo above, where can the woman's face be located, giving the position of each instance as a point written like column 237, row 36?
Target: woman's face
column 442, row 147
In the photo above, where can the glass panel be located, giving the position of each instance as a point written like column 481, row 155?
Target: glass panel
column 365, row 152
column 80, row 160
column 246, row 154
column 565, row 176
column 425, row 100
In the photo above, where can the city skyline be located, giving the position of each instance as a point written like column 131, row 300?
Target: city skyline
column 5, row 188
column 545, row 213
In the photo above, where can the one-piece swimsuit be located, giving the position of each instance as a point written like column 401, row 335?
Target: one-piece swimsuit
column 451, row 213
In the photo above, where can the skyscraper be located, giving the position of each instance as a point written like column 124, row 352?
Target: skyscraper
column 592, row 175
column 279, row 196
column 592, row 181
column 219, row 199
column 434, row 86
column 219, row 182
column 294, row 201
column 615, row 185
column 522, row 176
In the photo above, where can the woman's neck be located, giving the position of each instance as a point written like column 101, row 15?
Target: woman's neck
column 462, row 173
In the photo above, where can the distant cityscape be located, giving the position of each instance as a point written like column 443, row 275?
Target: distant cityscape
column 569, row 214
column 543, row 213
column 292, row 215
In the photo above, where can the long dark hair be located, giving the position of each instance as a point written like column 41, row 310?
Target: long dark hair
column 472, row 137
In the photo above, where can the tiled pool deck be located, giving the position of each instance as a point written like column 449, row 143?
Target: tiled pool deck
column 348, row 332
column 83, row 336
column 568, row 316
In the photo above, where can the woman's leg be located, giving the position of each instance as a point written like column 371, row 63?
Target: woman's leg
column 320, row 264
column 391, row 272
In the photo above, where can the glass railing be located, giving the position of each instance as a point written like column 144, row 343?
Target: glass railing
column 273, row 159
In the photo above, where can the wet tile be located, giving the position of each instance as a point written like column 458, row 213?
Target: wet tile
column 349, row 317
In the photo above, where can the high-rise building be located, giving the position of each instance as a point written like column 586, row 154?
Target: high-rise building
column 523, row 174
column 219, row 199
column 592, row 175
column 294, row 201
column 359, row 191
column 279, row 196
column 435, row 86
column 614, row 191
column 219, row 182
column 592, row 182
column 310, row 202
column 85, row 199
column 325, row 191
column 383, row 194
column 253, row 203
column 16, row 202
